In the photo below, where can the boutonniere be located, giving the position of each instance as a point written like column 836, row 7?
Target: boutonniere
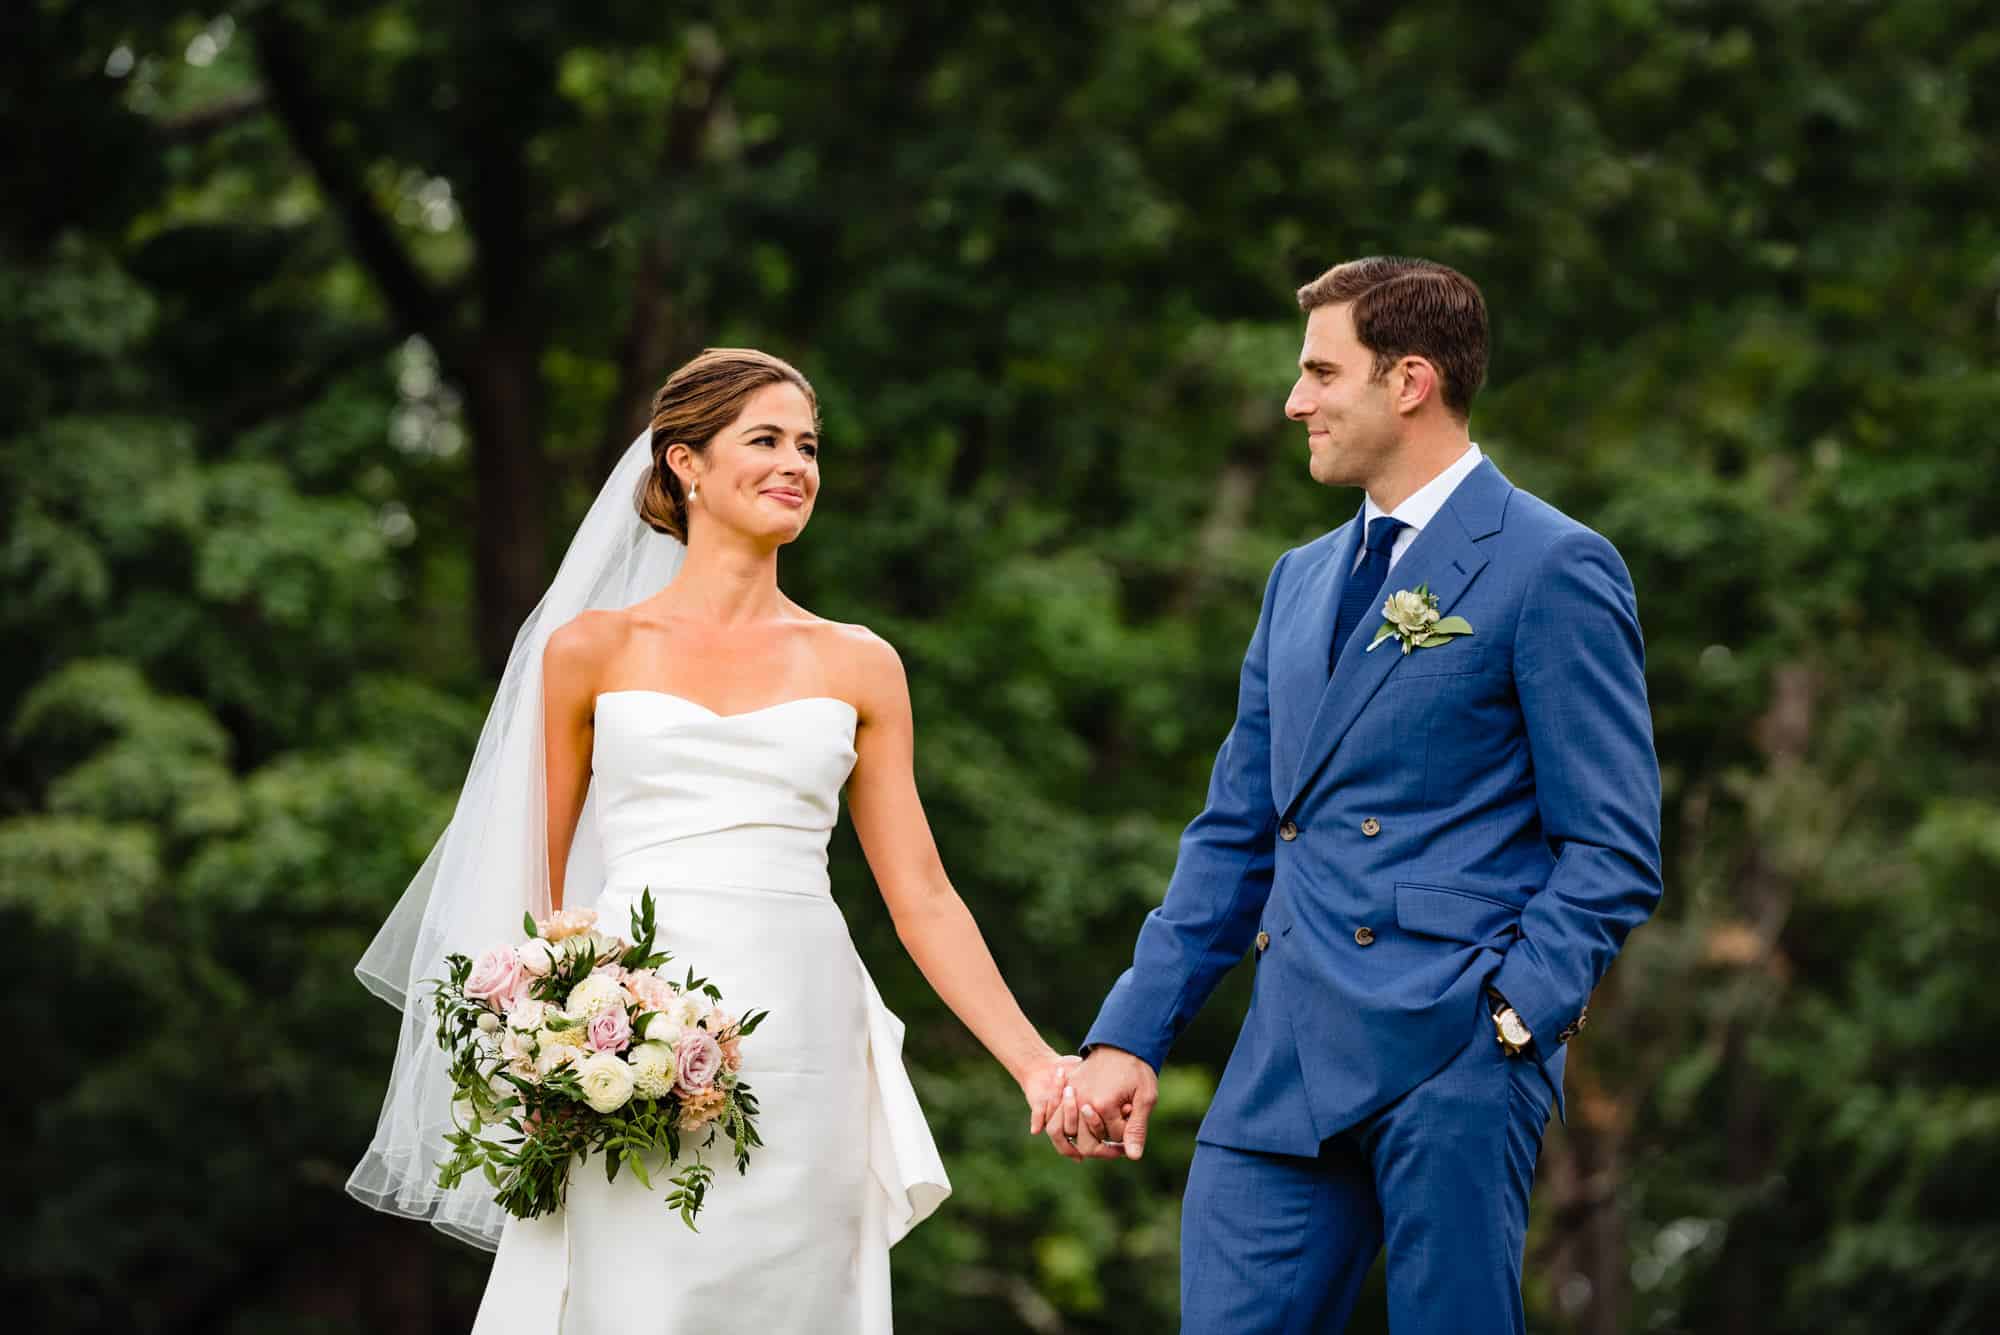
column 1413, row 618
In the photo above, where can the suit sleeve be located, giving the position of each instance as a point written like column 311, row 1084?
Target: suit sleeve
column 1221, row 879
column 1579, row 669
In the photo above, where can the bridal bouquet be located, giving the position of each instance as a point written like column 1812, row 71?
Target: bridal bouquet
column 575, row 1042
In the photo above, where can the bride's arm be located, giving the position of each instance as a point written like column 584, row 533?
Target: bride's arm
column 569, row 686
column 931, row 920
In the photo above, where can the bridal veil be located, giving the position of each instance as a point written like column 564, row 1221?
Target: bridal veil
column 491, row 864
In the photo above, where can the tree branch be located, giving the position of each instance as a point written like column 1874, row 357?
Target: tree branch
column 308, row 121
column 211, row 119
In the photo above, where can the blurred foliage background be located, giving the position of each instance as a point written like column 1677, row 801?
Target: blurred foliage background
column 319, row 324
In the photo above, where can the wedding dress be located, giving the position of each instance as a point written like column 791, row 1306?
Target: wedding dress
column 725, row 817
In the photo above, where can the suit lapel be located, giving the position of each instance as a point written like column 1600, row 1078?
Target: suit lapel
column 1445, row 556
column 1300, row 671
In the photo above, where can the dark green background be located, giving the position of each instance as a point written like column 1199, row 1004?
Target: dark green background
column 320, row 322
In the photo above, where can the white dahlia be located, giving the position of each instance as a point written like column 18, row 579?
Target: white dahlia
column 652, row 1070
column 592, row 995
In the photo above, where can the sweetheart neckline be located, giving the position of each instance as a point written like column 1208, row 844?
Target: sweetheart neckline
column 745, row 713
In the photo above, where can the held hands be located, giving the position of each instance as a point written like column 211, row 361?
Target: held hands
column 1043, row 1087
column 1106, row 1103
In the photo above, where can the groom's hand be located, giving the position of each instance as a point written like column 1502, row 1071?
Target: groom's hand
column 1106, row 1107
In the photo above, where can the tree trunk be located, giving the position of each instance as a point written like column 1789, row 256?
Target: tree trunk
column 1765, row 893
column 1586, row 1250
column 503, row 406
column 646, row 353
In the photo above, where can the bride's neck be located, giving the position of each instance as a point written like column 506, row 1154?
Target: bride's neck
column 729, row 582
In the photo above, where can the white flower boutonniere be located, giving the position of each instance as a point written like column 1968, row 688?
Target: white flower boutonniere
column 1413, row 619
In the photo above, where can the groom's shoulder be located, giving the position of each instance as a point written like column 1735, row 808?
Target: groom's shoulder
column 1540, row 532
column 1293, row 562
column 1534, row 519
column 1319, row 549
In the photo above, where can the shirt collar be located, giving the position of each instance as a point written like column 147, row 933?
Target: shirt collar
column 1424, row 503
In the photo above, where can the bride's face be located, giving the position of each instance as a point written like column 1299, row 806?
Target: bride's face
column 761, row 472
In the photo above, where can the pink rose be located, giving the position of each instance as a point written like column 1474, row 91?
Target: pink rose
column 654, row 993
column 497, row 978
column 536, row 956
column 518, row 995
column 697, row 1061
column 609, row 1031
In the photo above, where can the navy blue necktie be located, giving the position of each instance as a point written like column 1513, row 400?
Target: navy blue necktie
column 1364, row 585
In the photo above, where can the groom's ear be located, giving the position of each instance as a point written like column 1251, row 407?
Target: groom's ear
column 1418, row 384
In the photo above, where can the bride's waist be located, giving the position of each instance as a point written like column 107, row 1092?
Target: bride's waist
column 747, row 858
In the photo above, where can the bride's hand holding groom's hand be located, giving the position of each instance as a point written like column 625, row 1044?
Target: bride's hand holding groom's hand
column 1105, row 1107
column 1043, row 1086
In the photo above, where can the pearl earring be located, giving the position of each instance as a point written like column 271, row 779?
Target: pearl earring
column 693, row 492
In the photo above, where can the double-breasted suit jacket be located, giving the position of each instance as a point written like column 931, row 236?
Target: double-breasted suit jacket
column 1418, row 827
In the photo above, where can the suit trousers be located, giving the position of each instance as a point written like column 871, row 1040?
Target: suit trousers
column 1274, row 1244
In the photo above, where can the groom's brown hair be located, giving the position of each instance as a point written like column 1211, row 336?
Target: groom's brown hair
column 1412, row 308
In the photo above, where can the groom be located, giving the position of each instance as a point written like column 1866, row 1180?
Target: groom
column 1435, row 842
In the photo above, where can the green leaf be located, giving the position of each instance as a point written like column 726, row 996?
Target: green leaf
column 1432, row 641
column 1382, row 632
column 528, row 923
column 1452, row 626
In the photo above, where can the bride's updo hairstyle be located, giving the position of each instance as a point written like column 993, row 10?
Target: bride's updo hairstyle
column 697, row 401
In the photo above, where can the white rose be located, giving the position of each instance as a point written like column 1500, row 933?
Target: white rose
column 536, row 956
column 606, row 1080
column 554, row 1056
column 592, row 995
column 664, row 1027
column 529, row 1016
column 1409, row 612
column 689, row 1009
column 652, row 1070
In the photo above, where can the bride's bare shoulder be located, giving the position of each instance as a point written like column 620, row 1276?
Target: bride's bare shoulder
column 579, row 646
column 846, row 638
column 867, row 665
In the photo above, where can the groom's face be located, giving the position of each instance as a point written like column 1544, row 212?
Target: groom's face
column 1352, row 429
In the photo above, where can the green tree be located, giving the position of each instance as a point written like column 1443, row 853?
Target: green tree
column 311, row 370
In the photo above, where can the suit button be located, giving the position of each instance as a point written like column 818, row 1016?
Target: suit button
column 1263, row 942
column 1364, row 936
column 1371, row 827
column 1288, row 832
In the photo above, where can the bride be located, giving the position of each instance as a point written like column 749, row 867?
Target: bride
column 670, row 720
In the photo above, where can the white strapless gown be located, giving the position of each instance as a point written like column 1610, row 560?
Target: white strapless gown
column 726, row 819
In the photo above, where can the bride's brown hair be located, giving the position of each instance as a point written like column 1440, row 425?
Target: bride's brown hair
column 697, row 401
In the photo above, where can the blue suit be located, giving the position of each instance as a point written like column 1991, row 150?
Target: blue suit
column 1394, row 841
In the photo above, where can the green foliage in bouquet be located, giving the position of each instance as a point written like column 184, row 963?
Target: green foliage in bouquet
column 531, row 1095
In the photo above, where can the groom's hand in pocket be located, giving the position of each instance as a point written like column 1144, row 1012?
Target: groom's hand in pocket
column 1106, row 1108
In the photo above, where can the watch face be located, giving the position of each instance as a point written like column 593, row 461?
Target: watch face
column 1515, row 1032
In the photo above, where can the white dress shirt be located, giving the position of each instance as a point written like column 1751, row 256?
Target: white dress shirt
column 1421, row 507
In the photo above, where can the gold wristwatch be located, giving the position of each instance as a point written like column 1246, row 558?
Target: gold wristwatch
column 1509, row 1029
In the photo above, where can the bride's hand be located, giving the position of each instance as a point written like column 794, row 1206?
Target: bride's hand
column 1043, row 1088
